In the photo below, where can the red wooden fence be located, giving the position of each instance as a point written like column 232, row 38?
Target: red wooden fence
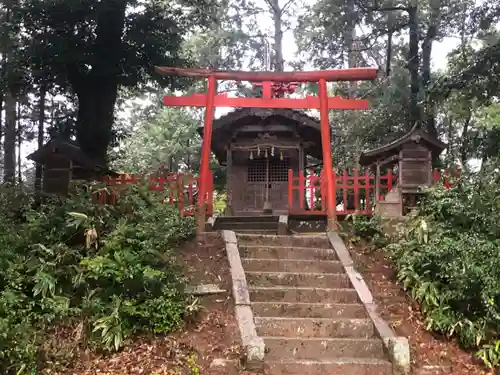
column 355, row 192
column 174, row 189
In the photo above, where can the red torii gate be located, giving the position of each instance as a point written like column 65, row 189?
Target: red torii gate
column 210, row 100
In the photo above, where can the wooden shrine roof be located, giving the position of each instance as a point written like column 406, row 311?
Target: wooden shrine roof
column 69, row 149
column 416, row 134
column 307, row 127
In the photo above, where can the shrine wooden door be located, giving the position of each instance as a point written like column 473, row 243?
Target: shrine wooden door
column 267, row 179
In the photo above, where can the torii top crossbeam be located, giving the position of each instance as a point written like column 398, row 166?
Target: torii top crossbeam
column 352, row 74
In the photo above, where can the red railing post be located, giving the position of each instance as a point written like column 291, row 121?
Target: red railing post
column 368, row 186
column 356, row 190
column 312, row 189
column 180, row 194
column 302, row 189
column 435, row 176
column 345, row 184
column 322, row 184
column 290, row 190
column 389, row 180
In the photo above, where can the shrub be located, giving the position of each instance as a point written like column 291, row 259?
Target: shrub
column 111, row 268
column 369, row 228
column 447, row 258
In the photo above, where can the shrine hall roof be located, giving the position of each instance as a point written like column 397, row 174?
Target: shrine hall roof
column 307, row 127
column 416, row 134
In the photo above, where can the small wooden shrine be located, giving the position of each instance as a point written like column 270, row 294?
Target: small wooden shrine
column 258, row 147
column 410, row 158
column 63, row 161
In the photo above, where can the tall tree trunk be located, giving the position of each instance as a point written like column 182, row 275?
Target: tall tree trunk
column 413, row 65
column 390, row 34
column 9, row 140
column 96, row 103
column 19, row 145
column 388, row 59
column 40, row 133
column 97, row 90
column 349, row 37
column 430, row 36
column 277, row 13
column 464, row 146
column 1, row 117
column 9, row 145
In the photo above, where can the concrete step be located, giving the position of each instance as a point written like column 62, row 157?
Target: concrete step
column 313, row 241
column 287, row 252
column 339, row 366
column 311, row 280
column 261, row 218
column 308, row 327
column 322, row 348
column 292, row 265
column 307, row 295
column 247, row 225
column 270, row 232
column 309, row 310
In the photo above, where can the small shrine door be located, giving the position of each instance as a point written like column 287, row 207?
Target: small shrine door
column 267, row 180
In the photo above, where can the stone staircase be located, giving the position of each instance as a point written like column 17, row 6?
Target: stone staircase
column 306, row 310
column 265, row 224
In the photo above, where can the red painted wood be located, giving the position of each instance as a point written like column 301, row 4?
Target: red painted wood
column 327, row 153
column 347, row 185
column 323, row 191
column 356, row 190
column 352, row 74
column 312, row 188
column 302, row 189
column 444, row 177
column 368, row 187
column 206, row 143
column 267, row 90
column 160, row 185
column 309, row 102
column 435, row 176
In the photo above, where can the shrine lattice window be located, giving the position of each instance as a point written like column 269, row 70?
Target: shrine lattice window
column 278, row 170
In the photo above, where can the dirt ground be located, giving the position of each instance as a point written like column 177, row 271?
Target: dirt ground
column 214, row 334
column 431, row 355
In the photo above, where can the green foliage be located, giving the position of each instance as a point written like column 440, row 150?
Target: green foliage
column 447, row 258
column 369, row 228
column 170, row 135
column 110, row 269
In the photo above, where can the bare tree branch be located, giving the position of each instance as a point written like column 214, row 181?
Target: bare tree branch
column 283, row 9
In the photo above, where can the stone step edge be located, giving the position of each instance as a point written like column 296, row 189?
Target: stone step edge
column 292, row 260
column 333, row 361
column 308, row 304
column 250, row 340
column 328, row 249
column 397, row 347
column 298, row 288
column 277, row 273
column 305, row 235
column 323, row 339
column 222, row 362
column 301, row 319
